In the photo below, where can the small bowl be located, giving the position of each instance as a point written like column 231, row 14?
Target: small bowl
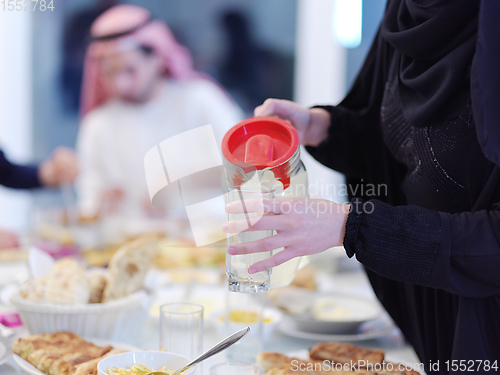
column 151, row 359
column 271, row 319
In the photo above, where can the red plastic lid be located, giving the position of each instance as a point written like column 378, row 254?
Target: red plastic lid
column 261, row 141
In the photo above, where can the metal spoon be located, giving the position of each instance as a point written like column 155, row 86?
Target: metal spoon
column 223, row 345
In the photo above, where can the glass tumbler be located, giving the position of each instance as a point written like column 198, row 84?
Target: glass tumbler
column 237, row 265
column 181, row 329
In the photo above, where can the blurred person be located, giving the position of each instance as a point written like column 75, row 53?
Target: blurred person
column 75, row 44
column 421, row 122
column 61, row 168
column 139, row 88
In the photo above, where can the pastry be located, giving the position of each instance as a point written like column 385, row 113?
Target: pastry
column 341, row 352
column 90, row 367
column 57, row 353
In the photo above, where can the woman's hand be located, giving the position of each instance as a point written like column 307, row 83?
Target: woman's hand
column 60, row 168
column 311, row 124
column 303, row 226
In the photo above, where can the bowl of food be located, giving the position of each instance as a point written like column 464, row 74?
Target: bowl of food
column 141, row 363
column 109, row 304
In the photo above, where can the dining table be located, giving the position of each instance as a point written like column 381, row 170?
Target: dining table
column 342, row 275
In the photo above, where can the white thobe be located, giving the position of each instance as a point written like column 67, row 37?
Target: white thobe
column 114, row 138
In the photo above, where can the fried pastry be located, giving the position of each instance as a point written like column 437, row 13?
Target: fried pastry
column 90, row 367
column 345, row 353
column 280, row 364
column 57, row 353
column 269, row 360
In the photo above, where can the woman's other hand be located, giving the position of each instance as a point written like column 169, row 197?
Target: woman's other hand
column 311, row 124
column 61, row 168
column 303, row 226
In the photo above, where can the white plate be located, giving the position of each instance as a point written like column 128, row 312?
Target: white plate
column 378, row 328
column 359, row 310
column 32, row 370
column 5, row 352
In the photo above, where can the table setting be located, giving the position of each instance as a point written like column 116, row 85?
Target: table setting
column 272, row 328
column 106, row 300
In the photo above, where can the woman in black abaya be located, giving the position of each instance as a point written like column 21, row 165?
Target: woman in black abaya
column 431, row 246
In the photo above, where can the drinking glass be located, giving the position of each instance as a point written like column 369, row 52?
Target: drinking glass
column 181, row 329
column 237, row 265
column 236, row 368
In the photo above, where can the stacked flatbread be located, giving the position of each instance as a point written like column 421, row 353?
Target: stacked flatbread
column 66, row 283
column 69, row 283
column 324, row 357
column 62, row 353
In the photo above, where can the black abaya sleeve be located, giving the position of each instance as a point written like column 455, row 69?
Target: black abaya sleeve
column 485, row 80
column 458, row 253
column 18, row 176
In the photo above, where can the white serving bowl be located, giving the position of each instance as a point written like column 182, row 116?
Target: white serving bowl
column 151, row 359
column 120, row 320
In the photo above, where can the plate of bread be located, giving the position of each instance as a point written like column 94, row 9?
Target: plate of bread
column 107, row 303
column 63, row 353
column 333, row 358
